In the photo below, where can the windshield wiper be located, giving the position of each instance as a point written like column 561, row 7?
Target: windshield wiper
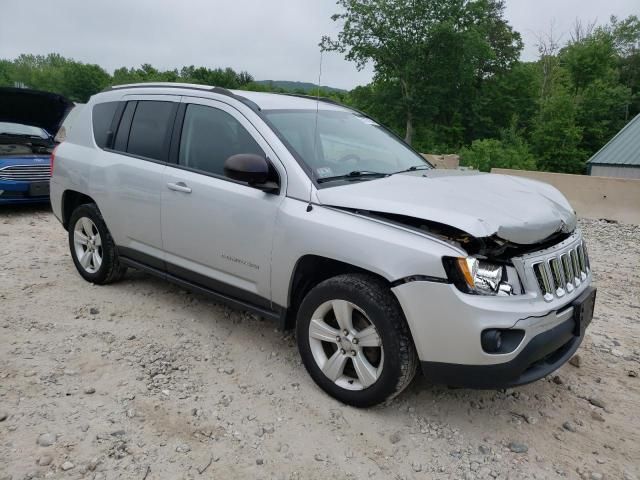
column 356, row 174
column 413, row 169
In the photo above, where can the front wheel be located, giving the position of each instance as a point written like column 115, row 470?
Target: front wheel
column 93, row 250
column 354, row 340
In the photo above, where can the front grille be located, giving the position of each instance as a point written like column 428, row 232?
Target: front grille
column 556, row 271
column 562, row 272
column 26, row 173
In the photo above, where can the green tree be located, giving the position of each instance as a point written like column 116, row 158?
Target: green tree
column 435, row 50
column 556, row 137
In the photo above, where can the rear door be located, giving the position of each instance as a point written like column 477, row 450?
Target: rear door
column 131, row 175
column 218, row 232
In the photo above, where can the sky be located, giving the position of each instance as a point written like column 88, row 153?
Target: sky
column 271, row 39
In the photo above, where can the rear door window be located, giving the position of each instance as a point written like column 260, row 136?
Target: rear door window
column 150, row 128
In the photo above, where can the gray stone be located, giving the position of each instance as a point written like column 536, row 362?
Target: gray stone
column 517, row 447
column 67, row 466
column 570, row 427
column 395, row 437
column 576, row 361
column 597, row 416
column 269, row 428
column 3, row 415
column 259, row 461
column 417, row 467
column 183, row 448
column 484, row 449
column 89, row 390
column 46, row 439
column 94, row 311
column 596, row 476
column 45, row 460
column 597, row 402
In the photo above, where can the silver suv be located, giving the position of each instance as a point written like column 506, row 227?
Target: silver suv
column 314, row 215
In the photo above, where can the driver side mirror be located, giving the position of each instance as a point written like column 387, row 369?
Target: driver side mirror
column 252, row 169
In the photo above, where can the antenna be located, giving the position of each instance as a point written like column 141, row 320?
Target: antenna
column 315, row 130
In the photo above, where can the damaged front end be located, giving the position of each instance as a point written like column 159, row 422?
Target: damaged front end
column 488, row 268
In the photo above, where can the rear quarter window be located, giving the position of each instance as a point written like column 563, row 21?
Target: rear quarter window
column 102, row 118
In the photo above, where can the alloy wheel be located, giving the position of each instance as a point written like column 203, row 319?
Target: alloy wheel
column 346, row 345
column 87, row 244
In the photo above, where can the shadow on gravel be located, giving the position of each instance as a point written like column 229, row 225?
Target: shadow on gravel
column 24, row 210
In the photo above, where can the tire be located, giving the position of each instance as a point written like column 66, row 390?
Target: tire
column 104, row 266
column 388, row 348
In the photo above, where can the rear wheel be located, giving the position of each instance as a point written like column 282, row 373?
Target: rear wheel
column 354, row 340
column 93, row 250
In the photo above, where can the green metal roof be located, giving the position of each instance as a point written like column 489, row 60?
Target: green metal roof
column 623, row 149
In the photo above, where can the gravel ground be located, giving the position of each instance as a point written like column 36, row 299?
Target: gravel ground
column 143, row 380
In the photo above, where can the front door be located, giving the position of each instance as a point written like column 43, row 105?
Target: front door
column 218, row 232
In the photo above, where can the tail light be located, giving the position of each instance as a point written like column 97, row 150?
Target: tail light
column 52, row 159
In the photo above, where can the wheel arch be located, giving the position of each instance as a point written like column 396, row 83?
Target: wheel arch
column 309, row 271
column 72, row 199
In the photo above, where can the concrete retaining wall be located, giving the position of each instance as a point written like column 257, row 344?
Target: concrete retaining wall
column 592, row 197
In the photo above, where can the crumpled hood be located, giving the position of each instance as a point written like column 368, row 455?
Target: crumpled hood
column 515, row 209
column 32, row 107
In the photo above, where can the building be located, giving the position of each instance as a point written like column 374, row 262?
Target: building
column 621, row 156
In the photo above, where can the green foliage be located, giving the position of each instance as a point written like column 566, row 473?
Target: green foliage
column 511, row 151
column 556, row 137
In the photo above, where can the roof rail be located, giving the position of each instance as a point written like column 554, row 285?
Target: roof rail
column 191, row 86
column 311, row 97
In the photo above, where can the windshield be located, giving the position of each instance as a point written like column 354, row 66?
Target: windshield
column 19, row 129
column 343, row 143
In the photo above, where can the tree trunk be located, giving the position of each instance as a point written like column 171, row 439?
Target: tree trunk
column 408, row 136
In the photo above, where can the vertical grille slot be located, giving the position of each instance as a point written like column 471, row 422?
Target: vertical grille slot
column 558, row 276
column 568, row 271
column 545, row 280
column 576, row 267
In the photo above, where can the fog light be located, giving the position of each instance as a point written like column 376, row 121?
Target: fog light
column 491, row 341
column 501, row 340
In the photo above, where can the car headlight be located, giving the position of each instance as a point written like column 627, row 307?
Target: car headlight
column 481, row 277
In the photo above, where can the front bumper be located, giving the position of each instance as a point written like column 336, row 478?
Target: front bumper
column 447, row 324
column 545, row 353
column 18, row 193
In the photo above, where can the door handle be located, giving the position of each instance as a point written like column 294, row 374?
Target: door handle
column 179, row 187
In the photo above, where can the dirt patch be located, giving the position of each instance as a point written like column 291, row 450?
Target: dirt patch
column 141, row 379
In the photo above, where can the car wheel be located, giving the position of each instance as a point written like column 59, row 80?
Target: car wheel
column 354, row 340
column 93, row 250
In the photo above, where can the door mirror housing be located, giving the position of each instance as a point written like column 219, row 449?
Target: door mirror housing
column 252, row 169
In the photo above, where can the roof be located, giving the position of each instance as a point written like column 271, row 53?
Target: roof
column 264, row 100
column 623, row 149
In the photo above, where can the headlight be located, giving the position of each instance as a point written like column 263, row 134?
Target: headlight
column 477, row 276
